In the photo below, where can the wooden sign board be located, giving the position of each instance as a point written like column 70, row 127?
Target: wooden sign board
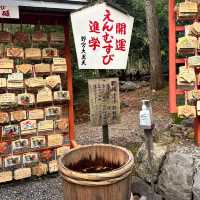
column 104, row 101
column 103, row 41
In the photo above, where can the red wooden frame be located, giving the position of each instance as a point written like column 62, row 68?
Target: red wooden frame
column 54, row 18
column 173, row 61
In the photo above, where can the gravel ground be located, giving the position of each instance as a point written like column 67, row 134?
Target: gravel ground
column 124, row 134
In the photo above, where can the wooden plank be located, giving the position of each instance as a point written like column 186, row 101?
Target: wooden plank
column 69, row 80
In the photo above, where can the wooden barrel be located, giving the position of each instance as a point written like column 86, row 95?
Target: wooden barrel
column 97, row 172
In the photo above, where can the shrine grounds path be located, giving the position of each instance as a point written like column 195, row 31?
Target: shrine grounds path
column 126, row 134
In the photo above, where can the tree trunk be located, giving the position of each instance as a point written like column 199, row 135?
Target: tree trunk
column 154, row 45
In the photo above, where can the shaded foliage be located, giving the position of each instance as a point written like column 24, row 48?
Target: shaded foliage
column 139, row 42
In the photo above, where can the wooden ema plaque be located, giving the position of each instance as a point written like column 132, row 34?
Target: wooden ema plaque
column 188, row 7
column 59, row 65
column 33, row 54
column 6, row 63
column 6, row 176
column 49, row 53
column 15, row 52
column 42, row 68
column 5, row 37
column 34, row 102
column 24, row 68
column 22, row 173
column 39, row 37
column 104, row 101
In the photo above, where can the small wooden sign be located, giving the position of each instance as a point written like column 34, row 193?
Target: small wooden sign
column 11, row 161
column 53, row 81
column 59, row 65
column 187, row 43
column 26, row 99
column 21, row 38
column 57, row 38
column 188, row 7
column 44, row 95
column 104, row 101
column 46, row 125
column 36, row 114
column 39, row 37
column 6, row 63
column 4, row 117
column 6, row 176
column 28, row 126
column 18, row 115
column 20, row 144
column 52, row 112
column 59, row 61
column 187, row 75
column 22, row 173
column 38, row 142
column 194, row 61
column 33, row 54
column 11, row 130
column 55, row 140
column 59, row 68
column 7, row 99
column 24, row 68
column 187, row 111
column 15, row 80
column 62, row 124
column 15, row 52
column 5, row 37
column 15, row 77
column 36, row 82
column 42, row 68
column 6, row 71
column 61, row 95
column 3, row 83
column 49, row 53
column 30, row 158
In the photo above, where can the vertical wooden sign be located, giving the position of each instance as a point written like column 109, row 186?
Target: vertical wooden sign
column 104, row 101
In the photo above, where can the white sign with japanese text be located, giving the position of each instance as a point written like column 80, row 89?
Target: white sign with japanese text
column 9, row 9
column 102, row 37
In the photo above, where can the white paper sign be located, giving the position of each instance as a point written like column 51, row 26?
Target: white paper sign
column 9, row 10
column 102, row 37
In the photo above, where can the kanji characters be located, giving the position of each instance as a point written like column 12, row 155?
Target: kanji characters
column 107, row 59
column 94, row 43
column 121, row 28
column 6, row 13
column 83, row 44
column 94, row 27
column 121, row 45
column 107, row 35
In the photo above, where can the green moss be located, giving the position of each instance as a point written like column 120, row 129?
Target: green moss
column 176, row 119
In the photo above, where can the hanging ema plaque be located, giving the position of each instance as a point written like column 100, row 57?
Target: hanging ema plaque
column 104, row 101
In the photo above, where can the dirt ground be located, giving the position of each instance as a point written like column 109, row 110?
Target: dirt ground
column 126, row 134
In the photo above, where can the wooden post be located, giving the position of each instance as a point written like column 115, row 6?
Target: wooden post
column 197, row 130
column 105, row 134
column 69, row 81
column 172, row 57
